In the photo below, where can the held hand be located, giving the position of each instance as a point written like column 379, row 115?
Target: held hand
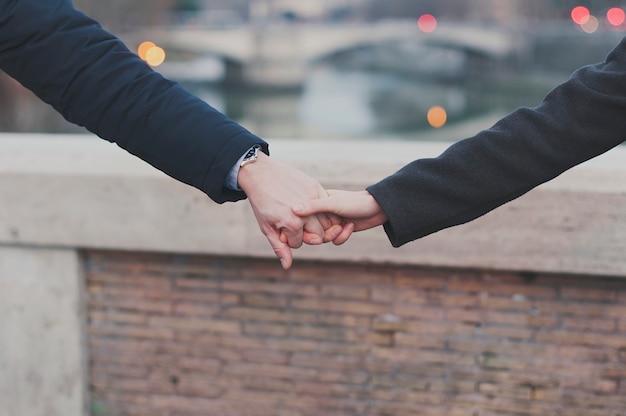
column 272, row 188
column 357, row 208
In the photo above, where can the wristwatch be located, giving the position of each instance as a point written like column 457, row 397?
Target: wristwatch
column 251, row 156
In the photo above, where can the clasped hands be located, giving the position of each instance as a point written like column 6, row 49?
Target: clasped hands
column 292, row 208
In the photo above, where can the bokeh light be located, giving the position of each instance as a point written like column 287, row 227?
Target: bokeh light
column 143, row 48
column 615, row 16
column 155, row 56
column 427, row 23
column 591, row 25
column 437, row 116
column 580, row 15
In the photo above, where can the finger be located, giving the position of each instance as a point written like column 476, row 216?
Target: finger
column 324, row 220
column 312, row 239
column 344, row 235
column 291, row 232
column 313, row 230
column 332, row 233
column 281, row 249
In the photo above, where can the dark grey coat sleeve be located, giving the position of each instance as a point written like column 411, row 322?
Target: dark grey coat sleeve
column 578, row 120
column 93, row 80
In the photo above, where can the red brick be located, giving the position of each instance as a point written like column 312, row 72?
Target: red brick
column 267, row 384
column 104, row 370
column 316, row 360
column 527, row 290
column 198, row 386
column 420, row 312
column 581, row 338
column 343, row 377
column 269, row 315
column 505, row 332
column 196, row 283
column 571, row 309
column 331, row 305
column 344, row 320
column 113, row 316
column 105, row 279
column 501, row 317
column 182, row 403
column 265, row 356
column 196, row 309
column 615, row 311
column 588, row 294
column 345, row 291
column 387, row 294
column 321, row 333
column 508, row 303
column 265, row 329
column 270, row 370
column 598, row 354
column 504, row 390
column 205, row 365
column 132, row 331
column 594, row 385
column 279, row 288
column 357, row 349
column 340, row 274
column 209, row 297
column 380, row 338
column 263, row 301
column 590, row 325
column 418, row 341
column 189, row 324
column 422, row 279
column 444, row 328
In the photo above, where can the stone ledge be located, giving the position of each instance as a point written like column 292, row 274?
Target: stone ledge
column 82, row 192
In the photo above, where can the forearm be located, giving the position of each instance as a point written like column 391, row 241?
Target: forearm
column 577, row 121
column 91, row 78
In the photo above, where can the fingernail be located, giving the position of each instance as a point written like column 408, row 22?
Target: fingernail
column 283, row 263
column 298, row 208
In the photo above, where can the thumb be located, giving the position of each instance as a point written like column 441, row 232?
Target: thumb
column 314, row 206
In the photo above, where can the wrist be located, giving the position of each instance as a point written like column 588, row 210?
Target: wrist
column 377, row 212
column 248, row 171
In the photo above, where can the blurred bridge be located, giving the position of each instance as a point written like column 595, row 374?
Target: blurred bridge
column 279, row 55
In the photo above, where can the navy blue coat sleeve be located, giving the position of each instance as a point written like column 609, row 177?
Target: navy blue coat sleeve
column 93, row 80
column 578, row 120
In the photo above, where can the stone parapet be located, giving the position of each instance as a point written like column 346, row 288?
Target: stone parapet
column 82, row 192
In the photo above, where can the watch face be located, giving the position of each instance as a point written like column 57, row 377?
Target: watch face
column 250, row 153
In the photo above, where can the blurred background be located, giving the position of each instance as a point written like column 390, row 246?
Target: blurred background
column 351, row 69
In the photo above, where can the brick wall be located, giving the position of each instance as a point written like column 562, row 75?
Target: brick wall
column 188, row 336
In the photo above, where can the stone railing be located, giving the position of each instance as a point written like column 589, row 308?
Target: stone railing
column 61, row 195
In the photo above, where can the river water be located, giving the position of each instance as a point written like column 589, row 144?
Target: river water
column 334, row 103
column 338, row 104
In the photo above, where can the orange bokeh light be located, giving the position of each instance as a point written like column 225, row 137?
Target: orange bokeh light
column 615, row 16
column 427, row 23
column 580, row 15
column 155, row 56
column 437, row 116
column 143, row 49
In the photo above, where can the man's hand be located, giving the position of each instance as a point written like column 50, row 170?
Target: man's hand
column 359, row 210
column 272, row 189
